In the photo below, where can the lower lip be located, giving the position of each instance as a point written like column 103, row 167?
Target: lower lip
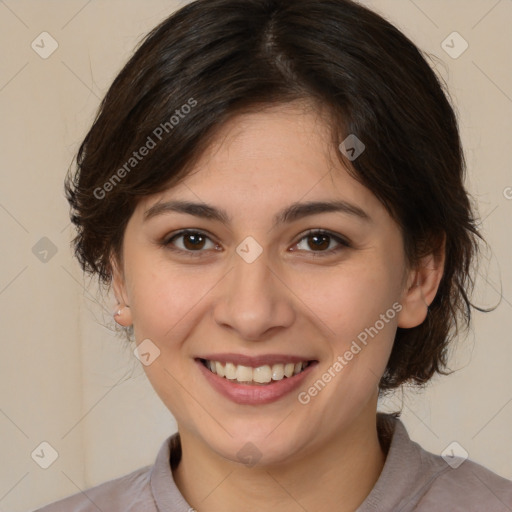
column 247, row 394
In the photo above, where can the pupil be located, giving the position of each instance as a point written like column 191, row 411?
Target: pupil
column 193, row 237
column 317, row 237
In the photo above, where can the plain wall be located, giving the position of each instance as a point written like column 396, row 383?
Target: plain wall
column 67, row 379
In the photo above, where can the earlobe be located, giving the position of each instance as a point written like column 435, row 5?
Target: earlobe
column 421, row 289
column 414, row 307
column 122, row 314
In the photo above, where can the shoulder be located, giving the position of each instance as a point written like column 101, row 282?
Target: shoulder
column 127, row 493
column 467, row 487
column 414, row 479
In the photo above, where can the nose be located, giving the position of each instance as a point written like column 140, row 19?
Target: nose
column 254, row 300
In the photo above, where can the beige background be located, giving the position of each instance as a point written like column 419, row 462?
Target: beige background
column 65, row 377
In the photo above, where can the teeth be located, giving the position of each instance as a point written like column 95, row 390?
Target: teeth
column 260, row 375
column 230, row 371
column 277, row 372
column 289, row 368
column 243, row 373
column 219, row 369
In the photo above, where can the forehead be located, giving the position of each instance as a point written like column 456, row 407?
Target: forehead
column 262, row 160
column 295, row 132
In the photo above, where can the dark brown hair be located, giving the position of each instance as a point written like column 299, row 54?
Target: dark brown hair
column 214, row 59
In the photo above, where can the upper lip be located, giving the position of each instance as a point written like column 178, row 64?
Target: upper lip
column 255, row 361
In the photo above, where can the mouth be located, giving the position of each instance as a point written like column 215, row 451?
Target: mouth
column 262, row 375
column 254, row 380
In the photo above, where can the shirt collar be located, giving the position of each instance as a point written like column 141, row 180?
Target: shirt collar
column 407, row 471
column 403, row 476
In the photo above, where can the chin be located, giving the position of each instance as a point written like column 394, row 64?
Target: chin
column 252, row 450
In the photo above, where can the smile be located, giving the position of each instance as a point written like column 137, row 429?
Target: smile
column 257, row 384
column 262, row 375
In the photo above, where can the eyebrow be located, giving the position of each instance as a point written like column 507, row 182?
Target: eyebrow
column 289, row 214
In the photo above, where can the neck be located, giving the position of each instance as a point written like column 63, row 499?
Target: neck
column 337, row 476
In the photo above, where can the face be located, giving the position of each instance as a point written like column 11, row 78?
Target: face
column 256, row 288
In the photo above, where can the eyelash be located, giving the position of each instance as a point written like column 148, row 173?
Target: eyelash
column 167, row 242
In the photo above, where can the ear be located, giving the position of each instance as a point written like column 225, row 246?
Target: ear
column 421, row 288
column 118, row 283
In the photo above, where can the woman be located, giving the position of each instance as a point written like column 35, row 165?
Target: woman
column 275, row 192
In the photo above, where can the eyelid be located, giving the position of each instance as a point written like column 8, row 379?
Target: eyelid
column 167, row 240
column 320, row 231
column 342, row 241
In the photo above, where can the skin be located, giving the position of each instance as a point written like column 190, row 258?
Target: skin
column 285, row 301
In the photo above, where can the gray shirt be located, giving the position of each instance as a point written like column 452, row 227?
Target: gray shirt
column 412, row 479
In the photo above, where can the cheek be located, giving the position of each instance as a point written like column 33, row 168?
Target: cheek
column 359, row 306
column 350, row 298
column 167, row 299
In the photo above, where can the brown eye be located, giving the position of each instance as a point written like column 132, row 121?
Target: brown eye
column 192, row 242
column 320, row 242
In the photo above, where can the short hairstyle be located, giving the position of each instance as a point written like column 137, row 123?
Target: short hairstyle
column 214, row 59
